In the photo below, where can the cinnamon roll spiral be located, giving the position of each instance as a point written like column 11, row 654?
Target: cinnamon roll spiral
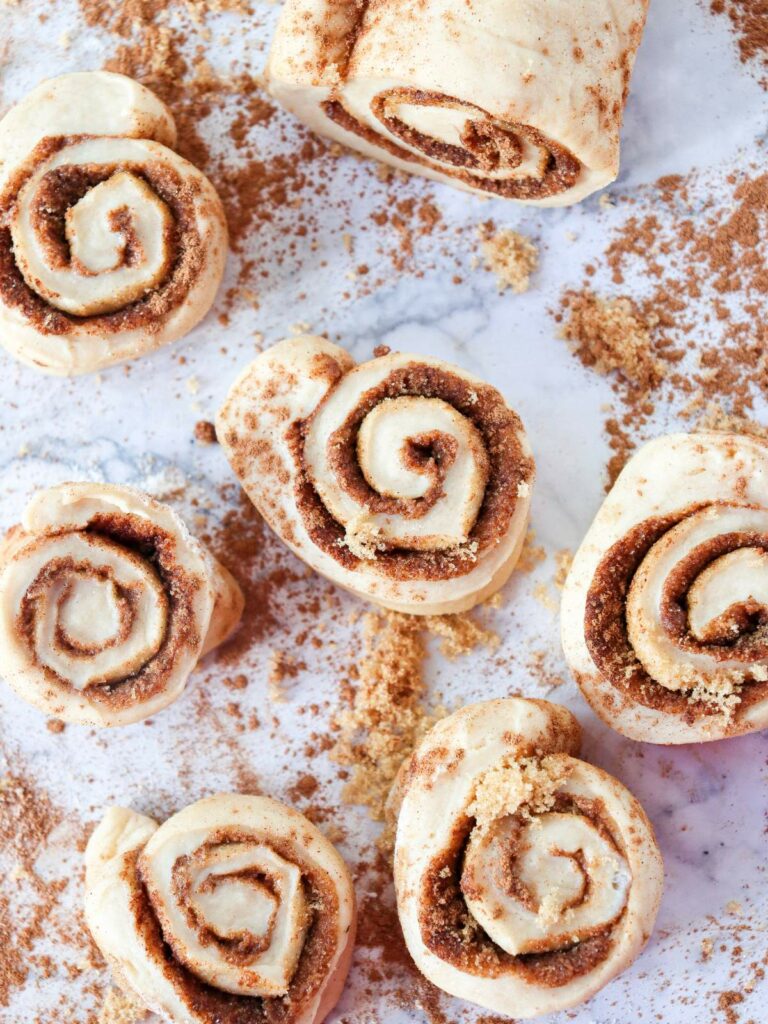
column 110, row 243
column 665, row 610
column 404, row 479
column 236, row 909
column 107, row 604
column 526, row 878
column 509, row 98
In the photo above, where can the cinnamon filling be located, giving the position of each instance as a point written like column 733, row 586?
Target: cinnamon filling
column 152, row 545
column 66, row 569
column 242, row 948
column 500, row 429
column 605, row 623
column 60, row 190
column 449, row 930
column 488, row 146
column 214, row 1006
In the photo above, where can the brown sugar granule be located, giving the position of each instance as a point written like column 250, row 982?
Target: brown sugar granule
column 387, row 717
column 459, row 634
column 509, row 255
column 205, row 432
column 282, row 666
column 563, row 562
column 55, row 725
column 120, row 1008
column 532, row 553
column 715, row 417
column 610, row 335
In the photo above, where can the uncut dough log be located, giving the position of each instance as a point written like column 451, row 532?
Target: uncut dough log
column 522, row 99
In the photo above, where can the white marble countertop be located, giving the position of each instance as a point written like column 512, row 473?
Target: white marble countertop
column 692, row 105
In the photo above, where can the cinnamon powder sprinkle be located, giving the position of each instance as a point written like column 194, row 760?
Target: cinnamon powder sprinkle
column 749, row 21
column 205, row 432
column 693, row 254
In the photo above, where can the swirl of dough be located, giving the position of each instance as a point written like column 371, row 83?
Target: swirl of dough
column 526, row 878
column 508, row 98
column 107, row 604
column 404, row 479
column 234, row 905
column 665, row 610
column 110, row 243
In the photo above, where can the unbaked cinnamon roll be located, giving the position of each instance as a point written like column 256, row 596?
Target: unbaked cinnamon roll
column 110, row 243
column 107, row 604
column 236, row 909
column 403, row 479
column 526, row 878
column 510, row 98
column 665, row 610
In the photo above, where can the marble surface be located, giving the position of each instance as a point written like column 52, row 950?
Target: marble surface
column 692, row 105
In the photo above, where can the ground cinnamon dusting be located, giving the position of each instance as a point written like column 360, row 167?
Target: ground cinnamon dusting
column 205, row 432
column 30, row 901
column 692, row 340
column 749, row 20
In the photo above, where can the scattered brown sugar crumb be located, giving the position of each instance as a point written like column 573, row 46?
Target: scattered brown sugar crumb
column 459, row 634
column 544, row 675
column 205, row 432
column 282, row 666
column 611, row 335
column 707, row 948
column 55, row 725
column 715, row 417
column 509, row 255
column 532, row 553
column 387, row 716
column 563, row 562
column 120, row 1008
column 525, row 787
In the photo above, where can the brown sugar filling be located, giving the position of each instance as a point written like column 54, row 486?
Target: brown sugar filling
column 152, row 545
column 500, row 429
column 487, row 146
column 59, row 190
column 214, row 1006
column 605, row 622
column 449, row 930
